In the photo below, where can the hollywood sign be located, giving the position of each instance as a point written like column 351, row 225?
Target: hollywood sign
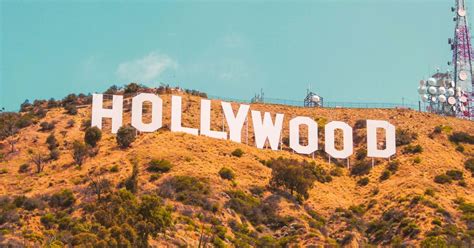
column 265, row 129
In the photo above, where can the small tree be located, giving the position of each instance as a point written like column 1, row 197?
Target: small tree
column 126, row 135
column 8, row 128
column 71, row 109
column 79, row 152
column 294, row 176
column 39, row 159
column 99, row 186
column 131, row 183
column 92, row 136
column 52, row 142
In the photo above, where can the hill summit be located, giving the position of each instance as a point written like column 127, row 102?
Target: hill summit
column 64, row 183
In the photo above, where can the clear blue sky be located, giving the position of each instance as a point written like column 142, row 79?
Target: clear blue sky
column 349, row 50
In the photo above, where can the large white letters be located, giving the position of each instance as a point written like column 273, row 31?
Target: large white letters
column 264, row 128
column 156, row 112
column 206, row 121
column 267, row 129
column 176, row 117
column 235, row 123
column 329, row 143
column 295, row 135
column 390, row 146
column 115, row 113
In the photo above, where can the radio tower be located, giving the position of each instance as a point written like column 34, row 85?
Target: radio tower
column 462, row 63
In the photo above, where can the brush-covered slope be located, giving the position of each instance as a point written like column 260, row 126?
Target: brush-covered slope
column 394, row 203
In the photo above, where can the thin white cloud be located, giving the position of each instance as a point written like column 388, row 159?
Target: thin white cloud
column 147, row 68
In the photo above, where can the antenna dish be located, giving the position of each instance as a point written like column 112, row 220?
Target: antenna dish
column 450, row 92
column 462, row 12
column 442, row 98
column 463, row 75
column 432, row 81
column 424, row 98
column 442, row 90
column 432, row 90
column 451, row 100
column 422, row 90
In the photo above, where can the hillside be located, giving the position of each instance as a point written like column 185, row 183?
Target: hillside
column 406, row 207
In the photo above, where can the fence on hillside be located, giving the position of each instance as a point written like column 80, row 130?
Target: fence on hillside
column 328, row 104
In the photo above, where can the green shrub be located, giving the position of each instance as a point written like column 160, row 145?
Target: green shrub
column 131, row 183
column 114, row 168
column 71, row 109
column 336, row 172
column 293, row 175
column 361, row 154
column 125, row 136
column 238, row 153
column 63, row 199
column 461, row 137
column 159, row 165
column 48, row 220
column 52, row 142
column 434, row 242
column 469, row 165
column 363, row 181
column 188, row 190
column 442, row 179
column 92, row 135
column 155, row 177
column 227, row 173
column 361, row 168
column 460, row 148
column 430, row 192
column 385, row 175
column 410, row 230
column 405, row 137
column 79, row 152
column 24, row 168
column 410, row 149
column 455, row 174
column 3, row 171
column 417, row 160
column 46, row 126
column 54, row 154
column 393, row 166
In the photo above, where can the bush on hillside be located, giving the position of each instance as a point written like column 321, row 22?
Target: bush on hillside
column 46, row 126
column 442, row 179
column 385, row 175
column 455, row 174
column 363, row 181
column 52, row 142
column 126, row 135
column 159, row 165
column 92, row 135
column 405, row 137
column 297, row 177
column 188, row 190
column 62, row 199
column 227, row 173
column 461, row 137
column 469, row 165
column 79, row 152
column 410, row 149
column 238, row 153
column 361, row 168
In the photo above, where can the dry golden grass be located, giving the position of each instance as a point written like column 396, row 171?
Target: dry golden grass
column 203, row 157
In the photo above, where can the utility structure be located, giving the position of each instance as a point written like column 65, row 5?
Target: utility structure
column 312, row 99
column 452, row 93
column 258, row 98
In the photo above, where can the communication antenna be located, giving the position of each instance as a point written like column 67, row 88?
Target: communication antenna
column 452, row 93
